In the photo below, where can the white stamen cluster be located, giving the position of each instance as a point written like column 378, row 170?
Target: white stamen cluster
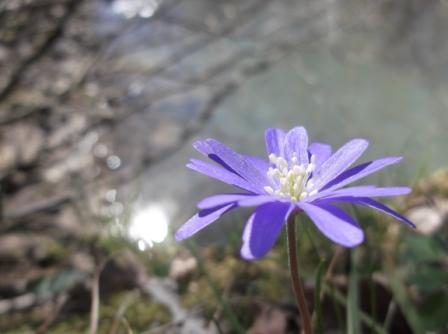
column 290, row 180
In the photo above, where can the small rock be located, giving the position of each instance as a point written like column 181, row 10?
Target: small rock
column 20, row 146
column 271, row 320
column 4, row 52
column 123, row 272
column 182, row 266
column 15, row 247
column 435, row 184
column 83, row 262
column 429, row 218
column 7, row 158
column 29, row 142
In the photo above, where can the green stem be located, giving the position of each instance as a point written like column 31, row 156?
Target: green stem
column 295, row 278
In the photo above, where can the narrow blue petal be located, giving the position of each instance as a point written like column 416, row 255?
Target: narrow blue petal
column 338, row 162
column 201, row 220
column 334, row 223
column 221, row 199
column 259, row 163
column 373, row 204
column 321, row 151
column 383, row 208
column 239, row 164
column 360, row 171
column 365, row 191
column 204, row 148
column 275, row 139
column 258, row 200
column 221, row 174
column 296, row 142
column 263, row 228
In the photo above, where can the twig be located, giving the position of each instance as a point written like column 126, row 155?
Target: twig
column 120, row 313
column 21, row 302
column 47, row 204
column 334, row 259
column 60, row 302
column 29, row 300
column 95, row 294
column 1, row 199
column 295, row 277
column 328, row 273
column 391, row 310
column 109, row 45
column 95, row 305
column 17, row 75
column 27, row 5
column 127, row 325
column 19, row 115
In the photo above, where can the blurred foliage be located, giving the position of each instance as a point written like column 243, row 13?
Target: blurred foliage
column 228, row 290
column 396, row 282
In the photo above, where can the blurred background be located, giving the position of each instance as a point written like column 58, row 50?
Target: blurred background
column 99, row 103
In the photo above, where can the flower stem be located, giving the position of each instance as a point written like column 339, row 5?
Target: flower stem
column 295, row 278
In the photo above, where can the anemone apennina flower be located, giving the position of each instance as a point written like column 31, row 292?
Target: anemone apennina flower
column 297, row 176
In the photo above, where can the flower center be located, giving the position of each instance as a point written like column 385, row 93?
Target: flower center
column 290, row 180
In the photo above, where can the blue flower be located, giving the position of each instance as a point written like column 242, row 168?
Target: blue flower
column 298, row 176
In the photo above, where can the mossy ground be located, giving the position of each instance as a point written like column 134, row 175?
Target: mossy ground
column 395, row 266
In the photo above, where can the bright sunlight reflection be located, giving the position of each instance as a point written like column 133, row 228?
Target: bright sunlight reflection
column 132, row 8
column 149, row 226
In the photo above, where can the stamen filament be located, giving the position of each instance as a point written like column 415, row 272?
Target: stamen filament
column 290, row 180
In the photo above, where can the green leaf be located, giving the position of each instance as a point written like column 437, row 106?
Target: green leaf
column 425, row 249
column 365, row 318
column 433, row 312
column 61, row 281
column 402, row 298
column 430, row 279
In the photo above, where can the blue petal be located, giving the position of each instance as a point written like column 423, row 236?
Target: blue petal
column 221, row 199
column 263, row 228
column 321, row 151
column 259, row 163
column 334, row 223
column 338, row 162
column 383, row 208
column 296, row 142
column 221, row 174
column 201, row 220
column 241, row 165
column 362, row 191
column 360, row 171
column 373, row 204
column 275, row 139
column 204, row 148
column 259, row 200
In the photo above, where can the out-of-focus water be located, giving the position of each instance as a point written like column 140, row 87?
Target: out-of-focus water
column 340, row 84
column 338, row 89
column 394, row 108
